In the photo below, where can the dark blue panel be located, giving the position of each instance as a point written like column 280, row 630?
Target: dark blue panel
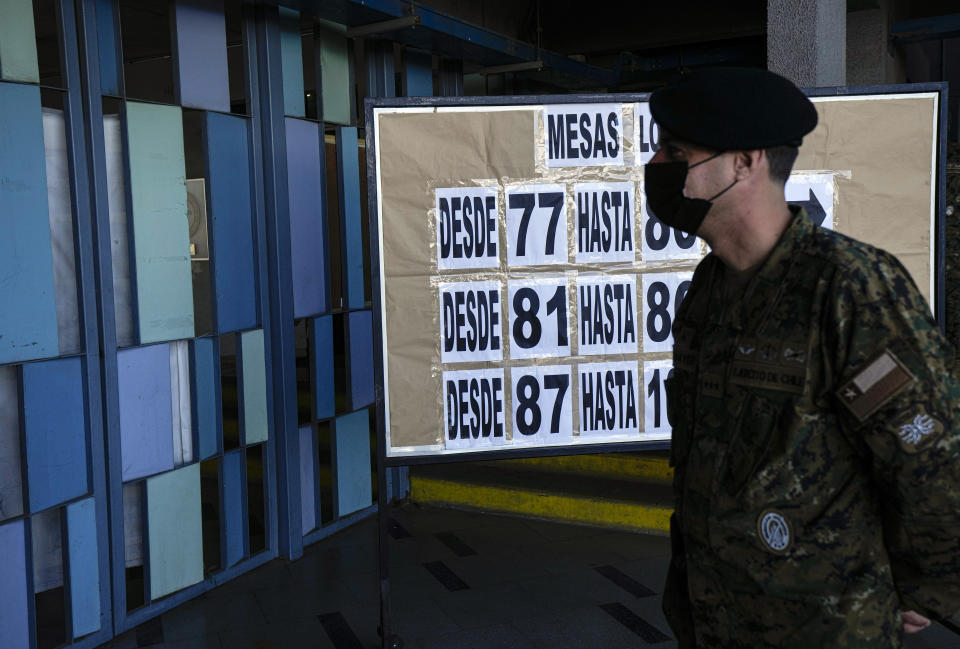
column 54, row 419
column 107, row 40
column 15, row 612
column 205, row 361
column 201, row 38
column 28, row 315
column 234, row 531
column 311, row 293
column 323, row 367
column 360, row 362
column 418, row 73
column 351, row 228
column 84, row 567
column 228, row 163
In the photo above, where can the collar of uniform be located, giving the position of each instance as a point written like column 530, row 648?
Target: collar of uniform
column 761, row 291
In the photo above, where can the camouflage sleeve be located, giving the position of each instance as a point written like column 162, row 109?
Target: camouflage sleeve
column 898, row 404
column 676, row 597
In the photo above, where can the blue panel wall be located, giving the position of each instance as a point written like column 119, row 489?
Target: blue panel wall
column 108, row 48
column 311, row 293
column 28, row 317
column 54, row 420
column 291, row 60
column 418, row 73
column 360, row 359
column 228, row 163
column 323, row 367
column 308, row 479
column 18, row 44
column 84, row 567
column 351, row 448
column 14, row 614
column 201, row 40
column 206, row 396
column 255, row 425
column 234, row 531
column 351, row 228
column 174, row 527
column 146, row 416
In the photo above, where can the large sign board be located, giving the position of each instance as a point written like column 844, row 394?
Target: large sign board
column 525, row 294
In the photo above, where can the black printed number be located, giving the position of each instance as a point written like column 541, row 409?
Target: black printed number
column 657, row 235
column 658, row 317
column 526, row 304
column 528, row 400
column 653, row 390
column 551, row 200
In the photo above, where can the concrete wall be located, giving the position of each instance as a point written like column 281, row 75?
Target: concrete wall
column 806, row 41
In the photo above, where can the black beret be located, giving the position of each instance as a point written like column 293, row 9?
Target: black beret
column 734, row 109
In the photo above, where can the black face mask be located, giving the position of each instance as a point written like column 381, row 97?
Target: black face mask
column 663, row 185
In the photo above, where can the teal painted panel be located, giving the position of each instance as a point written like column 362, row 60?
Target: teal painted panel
column 336, row 91
column 161, row 236
column 18, row 42
column 28, row 317
column 15, row 612
column 254, row 386
column 174, row 530
column 205, row 388
column 291, row 62
column 351, row 226
column 84, row 567
column 352, row 474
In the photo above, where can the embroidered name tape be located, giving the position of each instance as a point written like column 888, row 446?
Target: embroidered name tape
column 875, row 385
column 768, row 377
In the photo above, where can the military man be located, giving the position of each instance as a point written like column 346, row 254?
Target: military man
column 817, row 464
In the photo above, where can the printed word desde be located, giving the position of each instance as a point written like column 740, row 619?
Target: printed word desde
column 538, row 317
column 470, row 319
column 467, row 230
column 608, row 398
column 473, row 408
column 536, row 225
column 604, row 222
column 542, row 405
column 583, row 135
column 607, row 314
column 662, row 295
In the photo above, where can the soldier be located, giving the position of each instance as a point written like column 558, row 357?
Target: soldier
column 817, row 467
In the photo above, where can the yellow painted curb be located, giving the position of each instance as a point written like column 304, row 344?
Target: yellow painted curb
column 654, row 469
column 588, row 511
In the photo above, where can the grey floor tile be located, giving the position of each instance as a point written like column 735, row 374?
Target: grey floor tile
column 497, row 636
column 304, row 600
column 586, row 627
column 302, row 634
column 211, row 613
column 481, row 607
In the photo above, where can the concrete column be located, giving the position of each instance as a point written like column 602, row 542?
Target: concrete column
column 807, row 41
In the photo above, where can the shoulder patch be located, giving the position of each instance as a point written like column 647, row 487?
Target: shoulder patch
column 875, row 385
column 774, row 531
column 916, row 426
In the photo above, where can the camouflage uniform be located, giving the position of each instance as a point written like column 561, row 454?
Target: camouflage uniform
column 817, row 473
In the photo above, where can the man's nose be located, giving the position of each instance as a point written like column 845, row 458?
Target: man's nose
column 658, row 156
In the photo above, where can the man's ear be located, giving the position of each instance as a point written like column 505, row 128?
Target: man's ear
column 748, row 163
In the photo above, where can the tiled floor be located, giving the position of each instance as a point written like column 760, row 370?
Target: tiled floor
column 459, row 580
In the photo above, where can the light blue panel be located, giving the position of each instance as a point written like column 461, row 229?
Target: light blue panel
column 84, row 567
column 323, row 367
column 308, row 224
column 15, row 612
column 204, row 388
column 201, row 38
column 107, row 41
column 18, row 42
column 351, row 448
column 360, row 361
column 351, row 228
column 418, row 73
column 233, row 530
column 254, row 386
column 54, row 419
column 146, row 416
column 291, row 61
column 308, row 480
column 28, row 316
column 174, row 530
column 228, row 162
column 337, row 89
column 161, row 238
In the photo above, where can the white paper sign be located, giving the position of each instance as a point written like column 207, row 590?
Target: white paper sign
column 661, row 295
column 646, row 134
column 814, row 192
column 655, row 420
column 607, row 314
column 604, row 222
column 609, row 403
column 542, row 404
column 583, row 135
column 539, row 324
column 467, row 227
column 536, row 225
column 473, row 408
column 470, row 322
column 660, row 242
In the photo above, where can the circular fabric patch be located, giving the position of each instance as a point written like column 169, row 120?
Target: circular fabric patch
column 774, row 530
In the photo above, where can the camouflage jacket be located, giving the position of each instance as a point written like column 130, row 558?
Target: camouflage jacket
column 817, row 467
